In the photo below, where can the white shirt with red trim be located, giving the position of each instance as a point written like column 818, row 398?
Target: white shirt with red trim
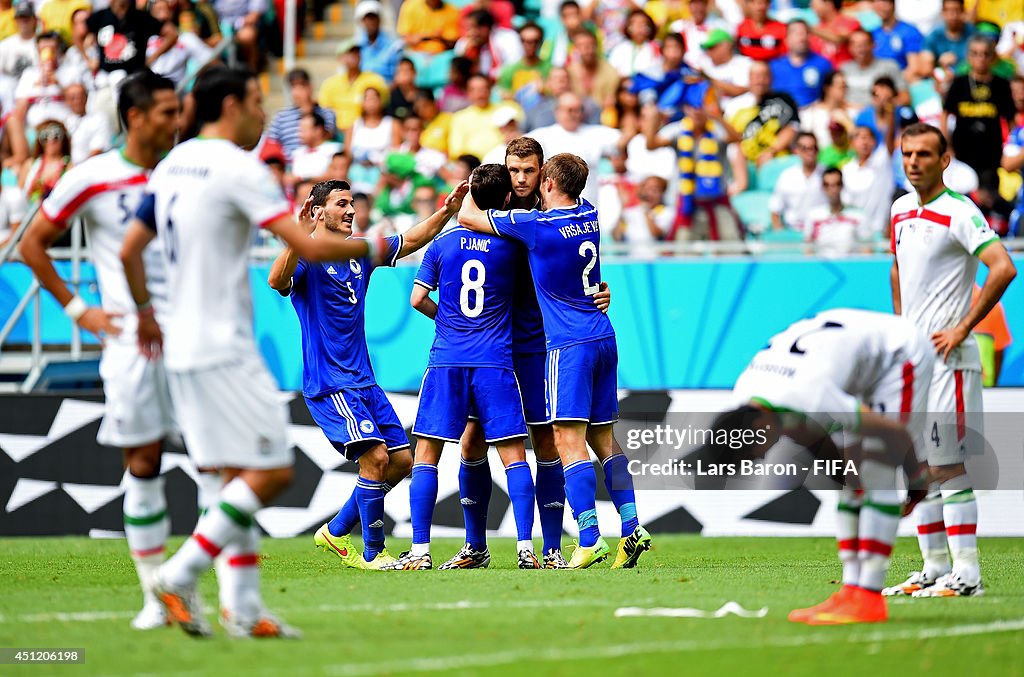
column 937, row 247
column 209, row 195
column 835, row 234
column 830, row 364
column 104, row 191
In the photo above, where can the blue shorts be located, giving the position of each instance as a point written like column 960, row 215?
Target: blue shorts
column 356, row 419
column 450, row 395
column 582, row 383
column 529, row 368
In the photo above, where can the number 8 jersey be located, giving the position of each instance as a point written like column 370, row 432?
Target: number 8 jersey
column 563, row 248
column 475, row 277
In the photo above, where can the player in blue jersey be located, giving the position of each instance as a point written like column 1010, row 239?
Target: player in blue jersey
column 523, row 158
column 563, row 244
column 338, row 382
column 470, row 370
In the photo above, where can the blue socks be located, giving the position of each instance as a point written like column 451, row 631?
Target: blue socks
column 551, row 502
column 422, row 497
column 369, row 497
column 520, row 490
column 581, row 489
column 619, row 483
column 475, row 496
column 346, row 519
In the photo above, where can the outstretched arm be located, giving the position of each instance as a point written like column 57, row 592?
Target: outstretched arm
column 423, row 232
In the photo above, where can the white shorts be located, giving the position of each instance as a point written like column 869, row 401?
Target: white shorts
column 904, row 391
column 232, row 416
column 955, row 406
column 137, row 408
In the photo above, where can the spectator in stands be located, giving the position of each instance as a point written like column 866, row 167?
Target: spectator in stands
column 832, row 108
column 833, row 228
column 926, row 15
column 590, row 75
column 361, row 223
column 507, row 121
column 429, row 162
column 199, row 17
column 80, row 55
column 865, row 69
column 284, row 128
column 949, row 42
column 343, row 92
column 428, row 26
column 638, row 51
column 190, row 48
column 488, row 47
column 503, row 12
column 339, row 168
column 625, row 114
column 831, row 36
column 728, row 72
column 767, row 119
column 90, row 132
column 1011, row 42
column 56, row 16
column 799, row 72
column 570, row 134
column 696, row 30
column 473, row 131
column 640, row 162
column 868, row 181
column 1017, row 94
column 898, row 40
column 436, row 124
column 244, row 17
column 18, row 51
column 379, row 50
column 454, row 97
column 885, row 116
column 39, row 95
column 980, row 102
column 50, row 160
column 398, row 181
column 759, row 37
column 368, row 140
column 666, row 78
column 542, row 113
column 799, row 188
column 123, row 32
column 403, row 90
column 558, row 47
column 646, row 222
column 312, row 159
column 530, row 71
column 839, row 150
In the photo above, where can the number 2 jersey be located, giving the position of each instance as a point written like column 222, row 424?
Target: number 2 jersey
column 828, row 365
column 563, row 248
column 937, row 247
column 475, row 276
column 105, row 191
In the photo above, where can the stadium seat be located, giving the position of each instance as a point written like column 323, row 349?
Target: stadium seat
column 768, row 174
column 432, row 69
column 752, row 208
column 784, row 236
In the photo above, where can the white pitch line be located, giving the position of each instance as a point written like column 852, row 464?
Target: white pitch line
column 486, row 660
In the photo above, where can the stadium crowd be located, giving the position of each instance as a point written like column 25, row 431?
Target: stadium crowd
column 776, row 120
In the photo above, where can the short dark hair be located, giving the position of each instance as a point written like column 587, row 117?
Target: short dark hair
column 871, row 36
column 532, row 25
column 359, row 197
column 318, row 120
column 568, row 3
column 214, row 86
column 137, row 91
column 407, row 60
column 470, row 161
column 674, row 37
column 922, row 128
column 806, row 135
column 568, row 171
column 325, row 188
column 959, row 2
column 463, row 65
column 885, row 81
column 481, row 17
column 829, row 78
column 490, row 186
column 524, row 147
column 838, row 4
column 296, row 75
column 274, row 161
column 830, row 171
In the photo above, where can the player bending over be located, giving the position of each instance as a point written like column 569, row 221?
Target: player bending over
column 841, row 371
column 104, row 192
column 337, row 379
column 204, row 199
column 581, row 401
column 469, row 372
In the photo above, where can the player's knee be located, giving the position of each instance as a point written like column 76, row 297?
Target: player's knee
column 374, row 463
column 399, row 466
column 144, row 461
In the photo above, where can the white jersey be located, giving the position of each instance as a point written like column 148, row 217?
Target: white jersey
column 209, row 194
column 936, row 247
column 105, row 192
column 831, row 364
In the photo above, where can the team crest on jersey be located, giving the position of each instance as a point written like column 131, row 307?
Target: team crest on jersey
column 355, row 267
column 366, row 426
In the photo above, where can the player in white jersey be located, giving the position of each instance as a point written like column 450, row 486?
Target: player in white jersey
column 104, row 192
column 204, row 199
column 938, row 236
column 827, row 382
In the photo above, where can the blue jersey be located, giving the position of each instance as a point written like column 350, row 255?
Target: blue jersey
column 527, row 323
column 803, row 82
column 329, row 300
column 475, row 277
column 563, row 246
column 898, row 43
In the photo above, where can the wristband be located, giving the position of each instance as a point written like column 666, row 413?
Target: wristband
column 145, row 308
column 75, row 308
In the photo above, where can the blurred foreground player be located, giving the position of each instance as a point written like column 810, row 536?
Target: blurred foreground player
column 938, row 237
column 104, row 192
column 338, row 383
column 203, row 200
column 842, row 370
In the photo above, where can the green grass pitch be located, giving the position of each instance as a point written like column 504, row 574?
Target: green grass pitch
column 75, row 592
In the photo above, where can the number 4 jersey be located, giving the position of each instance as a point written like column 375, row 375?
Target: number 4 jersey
column 563, row 246
column 475, row 277
column 105, row 191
